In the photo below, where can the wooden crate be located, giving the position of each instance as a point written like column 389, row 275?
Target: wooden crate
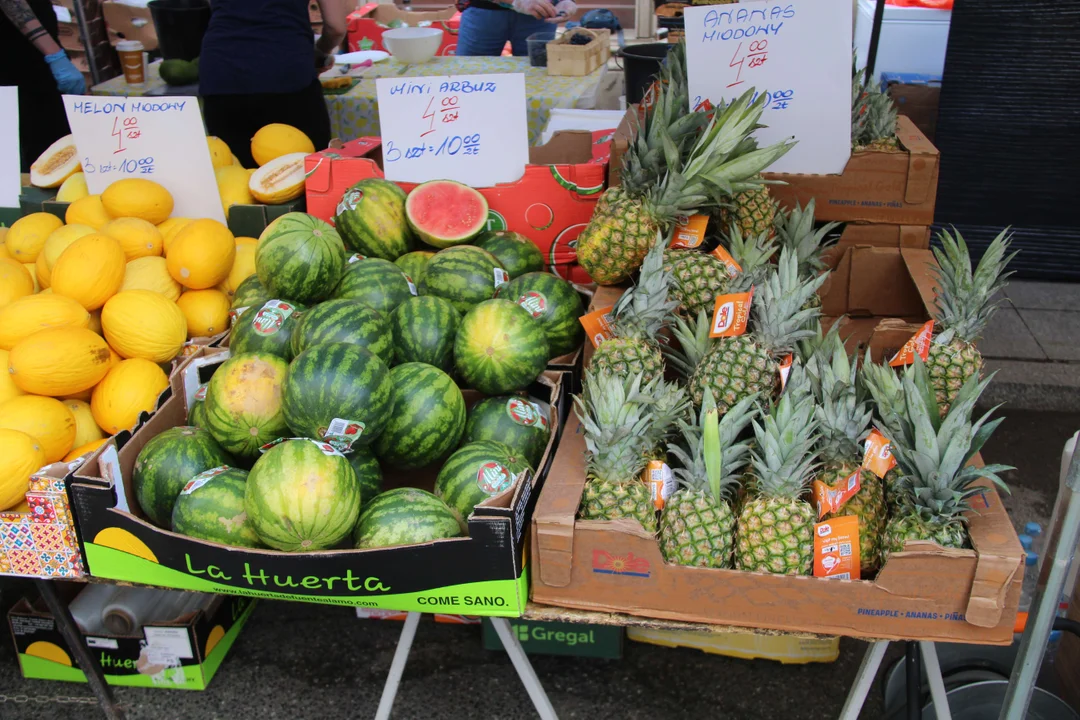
column 578, row 60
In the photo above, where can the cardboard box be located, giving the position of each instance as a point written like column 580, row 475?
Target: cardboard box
column 204, row 637
column 367, row 23
column 917, row 96
column 578, row 60
column 785, row 649
column 538, row 637
column 551, row 204
column 251, row 220
column 42, row 542
column 482, row 574
column 32, row 199
column 876, row 235
column 925, row 592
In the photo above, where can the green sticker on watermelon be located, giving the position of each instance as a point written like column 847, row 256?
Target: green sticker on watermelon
column 493, row 478
column 202, row 478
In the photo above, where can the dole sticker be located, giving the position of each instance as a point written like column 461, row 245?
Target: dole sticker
column 733, row 268
column 272, row 316
column 493, row 477
column 202, row 478
column 597, row 325
column 535, row 302
column 878, row 457
column 689, row 231
column 731, row 314
column 919, row 344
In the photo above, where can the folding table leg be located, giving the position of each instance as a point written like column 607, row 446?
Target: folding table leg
column 937, row 683
column 913, row 668
column 397, row 666
column 864, row 679
column 524, row 669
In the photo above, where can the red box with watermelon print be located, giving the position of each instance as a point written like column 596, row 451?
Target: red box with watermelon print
column 367, row 23
column 550, row 204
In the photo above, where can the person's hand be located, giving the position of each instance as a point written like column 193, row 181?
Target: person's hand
column 68, row 78
column 323, row 61
column 564, row 10
column 539, row 9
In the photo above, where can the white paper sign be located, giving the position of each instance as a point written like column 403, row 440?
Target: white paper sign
column 798, row 52
column 10, row 166
column 172, row 640
column 469, row 128
column 159, row 139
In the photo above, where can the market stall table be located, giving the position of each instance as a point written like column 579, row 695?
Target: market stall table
column 154, row 85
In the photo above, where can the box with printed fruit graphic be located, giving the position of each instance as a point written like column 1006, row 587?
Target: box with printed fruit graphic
column 38, row 539
column 367, row 23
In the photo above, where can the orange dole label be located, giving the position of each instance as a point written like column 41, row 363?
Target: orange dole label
column 830, row 498
column 731, row 314
column 919, row 344
column 785, row 370
column 597, row 325
column 877, row 457
column 690, row 231
column 721, row 254
column 836, row 548
column 658, row 477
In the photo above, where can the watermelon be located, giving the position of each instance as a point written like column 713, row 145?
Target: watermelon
column 444, row 212
column 423, row 330
column 499, row 348
column 347, row 321
column 302, row 496
column 378, row 283
column 167, row 462
column 475, row 472
column 427, row 421
column 515, row 252
column 517, row 422
column 413, row 264
column 244, row 402
column 249, row 293
column 463, row 275
column 267, row 329
column 196, row 416
column 371, row 219
column 552, row 302
column 211, row 507
column 299, row 258
column 340, row 393
column 405, row 516
column 368, row 473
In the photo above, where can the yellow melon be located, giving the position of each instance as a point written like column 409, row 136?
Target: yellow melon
column 232, row 183
column 130, row 388
column 274, row 140
column 59, row 162
column 137, row 237
column 246, row 241
column 59, row 241
column 243, row 268
column 90, row 271
column 144, row 324
column 82, row 450
column 22, row 457
column 73, row 189
column 8, row 388
column 279, row 180
column 138, row 198
column 32, row 269
column 4, row 254
column 151, row 273
column 28, row 234
column 202, row 254
column 206, row 312
column 43, row 418
column 15, row 282
column 95, row 321
column 169, row 229
column 87, row 211
column 86, row 428
column 220, row 154
column 24, row 317
column 41, row 272
column 59, row 361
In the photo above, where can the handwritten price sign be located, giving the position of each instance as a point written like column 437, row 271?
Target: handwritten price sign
column 9, row 148
column 159, row 139
column 469, row 128
column 795, row 53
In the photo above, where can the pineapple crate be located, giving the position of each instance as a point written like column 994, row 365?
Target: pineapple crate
column 481, row 574
column 569, row 60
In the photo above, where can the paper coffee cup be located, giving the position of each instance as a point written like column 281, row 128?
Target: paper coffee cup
column 132, row 60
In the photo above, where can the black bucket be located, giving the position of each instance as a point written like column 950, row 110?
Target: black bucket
column 180, row 25
column 641, row 63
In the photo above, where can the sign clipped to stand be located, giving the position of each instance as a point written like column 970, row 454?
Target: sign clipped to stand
column 797, row 52
column 9, row 147
column 469, row 128
column 159, row 139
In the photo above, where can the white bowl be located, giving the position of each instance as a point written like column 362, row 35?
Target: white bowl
column 413, row 45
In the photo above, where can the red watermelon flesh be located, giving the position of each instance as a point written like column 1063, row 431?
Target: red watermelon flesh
column 445, row 213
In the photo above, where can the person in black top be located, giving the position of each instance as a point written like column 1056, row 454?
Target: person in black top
column 487, row 25
column 32, row 60
column 260, row 65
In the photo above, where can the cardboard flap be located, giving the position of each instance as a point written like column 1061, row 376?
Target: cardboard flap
column 879, row 286
column 922, row 160
column 993, row 578
column 565, row 147
column 920, row 265
column 557, row 509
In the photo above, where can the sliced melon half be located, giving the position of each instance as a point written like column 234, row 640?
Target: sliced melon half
column 444, row 212
column 280, row 180
column 56, row 164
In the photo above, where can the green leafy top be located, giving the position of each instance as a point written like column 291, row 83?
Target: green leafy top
column 783, row 459
column 795, row 229
column 965, row 299
column 646, row 308
column 779, row 309
column 711, row 457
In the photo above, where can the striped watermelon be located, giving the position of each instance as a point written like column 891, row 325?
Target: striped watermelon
column 477, row 471
column 267, row 329
column 378, row 283
column 211, row 507
column 516, row 421
column 405, row 516
column 368, row 472
column 299, row 258
column 428, row 417
column 167, row 462
column 371, row 220
column 196, row 416
column 302, row 496
column 249, row 293
column 413, row 264
column 464, row 275
column 515, row 252
column 244, row 402
column 499, row 348
column 338, row 392
column 347, row 321
column 554, row 303
column 444, row 212
column 423, row 330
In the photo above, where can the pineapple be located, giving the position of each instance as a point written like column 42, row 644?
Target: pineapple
column 873, row 116
column 753, row 211
column 796, row 232
column 623, row 419
column 965, row 303
column 887, row 392
column 776, row 526
column 739, row 366
column 698, row 524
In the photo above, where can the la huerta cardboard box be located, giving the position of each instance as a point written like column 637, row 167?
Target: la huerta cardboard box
column 367, row 23
column 539, row 637
column 197, row 644
column 550, row 204
column 482, row 574
column 925, row 592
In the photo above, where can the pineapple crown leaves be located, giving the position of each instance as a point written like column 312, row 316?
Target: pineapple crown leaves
column 646, row 308
column 783, row 459
column 671, row 406
column 843, row 416
column 713, row 459
column 780, row 318
column 796, row 232
column 692, row 342
column 753, row 253
column 965, row 301
column 873, row 113
column 884, row 386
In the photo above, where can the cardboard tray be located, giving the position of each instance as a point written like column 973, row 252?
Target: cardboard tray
column 482, row 574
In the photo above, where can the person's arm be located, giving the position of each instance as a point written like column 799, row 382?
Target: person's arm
column 67, row 76
column 335, row 25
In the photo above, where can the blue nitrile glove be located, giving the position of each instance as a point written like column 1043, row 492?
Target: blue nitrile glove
column 68, row 79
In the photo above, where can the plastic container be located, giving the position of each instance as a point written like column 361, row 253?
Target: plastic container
column 180, row 26
column 913, row 40
column 537, row 43
column 641, row 63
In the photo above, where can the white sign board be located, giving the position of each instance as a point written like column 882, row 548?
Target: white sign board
column 10, row 181
column 797, row 52
column 469, row 128
column 159, row 139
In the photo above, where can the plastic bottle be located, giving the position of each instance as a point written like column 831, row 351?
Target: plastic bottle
column 1031, row 581
column 406, row 5
column 1038, row 540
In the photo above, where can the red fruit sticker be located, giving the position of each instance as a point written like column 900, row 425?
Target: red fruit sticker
column 524, row 412
column 689, row 231
column 350, row 200
column 535, row 302
column 661, row 481
column 830, row 498
column 493, row 477
column 327, row 448
column 721, row 254
column 273, row 443
column 501, row 276
column 272, row 316
column 730, row 314
column 356, row 257
column 597, row 325
column 785, row 370
column 919, row 344
column 878, row 457
column 836, row 548
column 200, row 394
column 202, row 478
column 342, row 434
column 412, row 285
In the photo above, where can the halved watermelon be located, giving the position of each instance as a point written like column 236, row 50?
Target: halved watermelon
column 445, row 213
